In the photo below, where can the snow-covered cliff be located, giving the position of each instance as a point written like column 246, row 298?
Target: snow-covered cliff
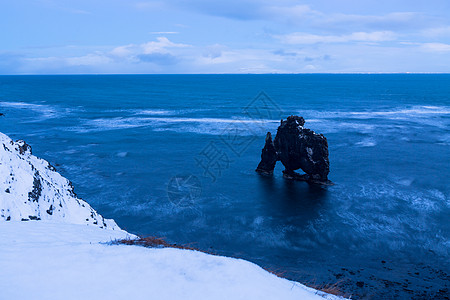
column 31, row 189
column 59, row 257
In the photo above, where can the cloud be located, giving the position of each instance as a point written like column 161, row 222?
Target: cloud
column 310, row 68
column 92, row 59
column 158, row 58
column 159, row 52
column 391, row 21
column 435, row 32
column 324, row 57
column 315, row 15
column 289, row 13
column 78, row 11
column 436, row 47
column 299, row 38
column 281, row 52
column 122, row 59
column 214, row 51
column 281, row 10
column 160, row 45
column 10, row 62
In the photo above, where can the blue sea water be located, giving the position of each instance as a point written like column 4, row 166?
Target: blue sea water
column 174, row 156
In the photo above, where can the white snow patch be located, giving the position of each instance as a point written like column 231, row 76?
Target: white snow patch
column 30, row 188
column 42, row 260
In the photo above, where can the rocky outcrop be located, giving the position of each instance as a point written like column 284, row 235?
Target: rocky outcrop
column 297, row 148
column 269, row 157
column 31, row 189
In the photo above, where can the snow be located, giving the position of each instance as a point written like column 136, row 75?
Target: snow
column 63, row 256
column 46, row 260
column 30, row 188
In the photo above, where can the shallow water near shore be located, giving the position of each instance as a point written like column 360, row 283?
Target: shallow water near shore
column 174, row 156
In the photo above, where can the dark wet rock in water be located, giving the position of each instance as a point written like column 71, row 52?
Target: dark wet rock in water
column 269, row 157
column 297, row 148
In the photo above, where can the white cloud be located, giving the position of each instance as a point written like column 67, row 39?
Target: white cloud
column 214, row 51
column 161, row 45
column 308, row 39
column 436, row 47
column 437, row 32
column 310, row 68
column 293, row 13
column 390, row 20
column 78, row 11
column 162, row 49
column 92, row 59
column 122, row 51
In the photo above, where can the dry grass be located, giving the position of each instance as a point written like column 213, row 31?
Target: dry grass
column 156, row 242
column 329, row 288
column 277, row 272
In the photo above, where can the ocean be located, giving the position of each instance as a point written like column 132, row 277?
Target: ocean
column 174, row 156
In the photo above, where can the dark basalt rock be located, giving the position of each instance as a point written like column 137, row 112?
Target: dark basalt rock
column 24, row 148
column 269, row 157
column 35, row 194
column 297, row 148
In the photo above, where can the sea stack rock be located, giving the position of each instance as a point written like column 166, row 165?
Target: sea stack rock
column 269, row 157
column 297, row 148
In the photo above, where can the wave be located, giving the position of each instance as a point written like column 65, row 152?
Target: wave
column 156, row 111
column 45, row 110
column 212, row 126
column 153, row 112
column 39, row 112
column 395, row 113
column 416, row 110
column 217, row 126
column 369, row 142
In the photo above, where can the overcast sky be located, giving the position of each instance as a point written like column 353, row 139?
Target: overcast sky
column 232, row 36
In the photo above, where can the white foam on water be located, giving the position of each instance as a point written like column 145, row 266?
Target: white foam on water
column 424, row 203
column 405, row 181
column 196, row 125
column 165, row 112
column 153, row 112
column 444, row 139
column 368, row 142
column 395, row 113
column 121, row 154
column 46, row 111
column 416, row 110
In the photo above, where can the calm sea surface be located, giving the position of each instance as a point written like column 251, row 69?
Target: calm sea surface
column 174, row 156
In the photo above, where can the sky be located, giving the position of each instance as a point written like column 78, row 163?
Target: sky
column 232, row 36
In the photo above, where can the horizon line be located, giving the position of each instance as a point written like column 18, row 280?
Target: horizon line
column 159, row 74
